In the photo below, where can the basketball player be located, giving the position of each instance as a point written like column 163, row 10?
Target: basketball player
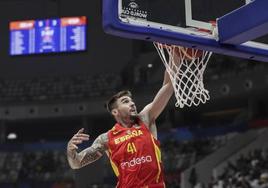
column 131, row 145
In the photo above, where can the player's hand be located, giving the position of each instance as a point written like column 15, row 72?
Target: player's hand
column 78, row 138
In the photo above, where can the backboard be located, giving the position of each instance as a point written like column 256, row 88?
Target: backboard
column 178, row 22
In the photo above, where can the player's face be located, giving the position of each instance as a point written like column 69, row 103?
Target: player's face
column 126, row 107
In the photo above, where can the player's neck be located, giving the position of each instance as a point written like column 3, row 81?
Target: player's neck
column 127, row 122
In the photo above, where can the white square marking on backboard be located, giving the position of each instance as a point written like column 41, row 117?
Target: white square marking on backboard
column 190, row 22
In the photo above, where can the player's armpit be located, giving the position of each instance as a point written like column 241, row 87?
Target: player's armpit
column 144, row 116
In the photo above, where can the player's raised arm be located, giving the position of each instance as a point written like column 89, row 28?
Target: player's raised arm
column 88, row 155
column 154, row 109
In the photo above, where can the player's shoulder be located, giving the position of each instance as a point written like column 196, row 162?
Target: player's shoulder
column 115, row 131
column 103, row 138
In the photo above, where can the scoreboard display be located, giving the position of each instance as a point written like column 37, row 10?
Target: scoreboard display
column 67, row 34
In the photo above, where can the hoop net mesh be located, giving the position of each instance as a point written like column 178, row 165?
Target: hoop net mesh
column 186, row 73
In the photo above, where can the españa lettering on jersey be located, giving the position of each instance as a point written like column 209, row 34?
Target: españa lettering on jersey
column 135, row 157
column 133, row 133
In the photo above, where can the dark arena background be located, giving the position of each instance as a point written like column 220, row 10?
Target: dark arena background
column 45, row 98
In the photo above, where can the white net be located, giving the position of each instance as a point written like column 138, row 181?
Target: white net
column 185, row 67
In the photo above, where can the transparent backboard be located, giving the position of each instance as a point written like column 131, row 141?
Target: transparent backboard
column 181, row 13
column 179, row 22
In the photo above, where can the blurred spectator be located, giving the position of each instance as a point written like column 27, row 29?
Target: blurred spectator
column 58, row 88
column 42, row 167
column 249, row 171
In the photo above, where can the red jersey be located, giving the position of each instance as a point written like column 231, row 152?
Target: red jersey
column 135, row 157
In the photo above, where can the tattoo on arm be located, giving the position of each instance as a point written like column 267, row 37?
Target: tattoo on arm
column 95, row 151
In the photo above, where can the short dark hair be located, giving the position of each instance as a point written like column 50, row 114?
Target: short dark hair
column 111, row 103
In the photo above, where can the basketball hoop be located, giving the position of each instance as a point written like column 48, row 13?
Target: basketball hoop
column 185, row 67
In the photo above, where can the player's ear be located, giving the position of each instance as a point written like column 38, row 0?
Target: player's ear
column 114, row 112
